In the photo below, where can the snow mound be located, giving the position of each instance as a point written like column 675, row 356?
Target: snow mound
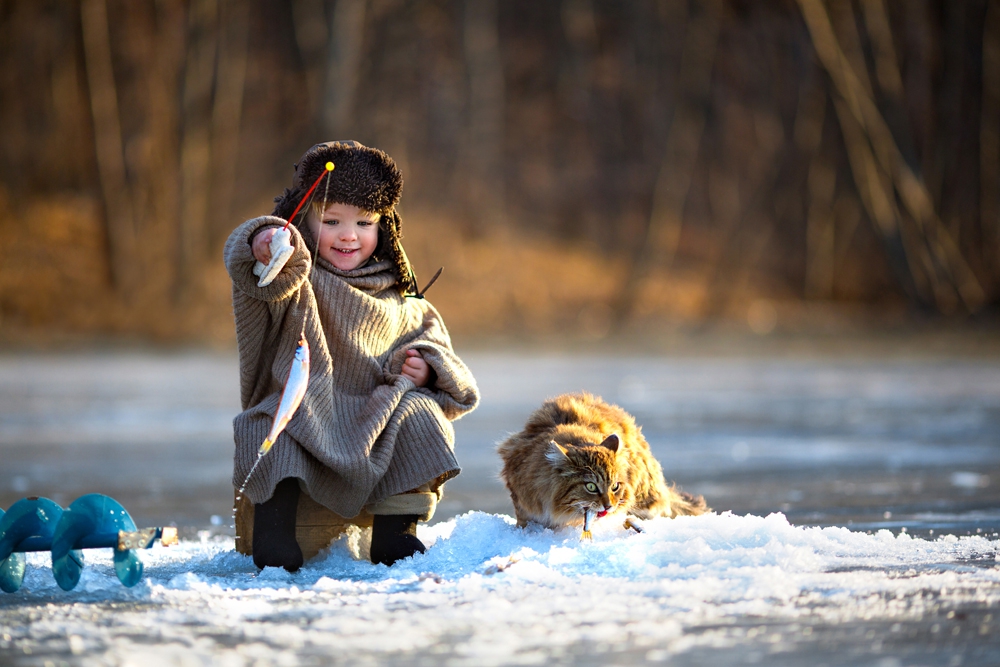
column 496, row 593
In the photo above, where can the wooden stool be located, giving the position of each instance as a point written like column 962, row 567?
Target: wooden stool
column 315, row 526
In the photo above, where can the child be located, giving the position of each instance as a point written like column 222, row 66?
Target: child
column 373, row 430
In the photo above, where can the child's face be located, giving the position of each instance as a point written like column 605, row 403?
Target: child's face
column 346, row 235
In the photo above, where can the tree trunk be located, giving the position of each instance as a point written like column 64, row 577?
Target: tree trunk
column 673, row 183
column 108, row 144
column 196, row 141
column 347, row 31
column 989, row 143
column 880, row 168
column 484, row 145
column 227, row 113
column 821, row 187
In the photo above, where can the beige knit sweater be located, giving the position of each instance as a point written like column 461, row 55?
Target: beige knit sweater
column 363, row 432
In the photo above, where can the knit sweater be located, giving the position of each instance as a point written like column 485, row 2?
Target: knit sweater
column 364, row 432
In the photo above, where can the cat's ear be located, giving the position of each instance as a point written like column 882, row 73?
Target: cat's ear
column 612, row 442
column 556, row 453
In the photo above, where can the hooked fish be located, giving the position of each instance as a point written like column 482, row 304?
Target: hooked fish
column 291, row 397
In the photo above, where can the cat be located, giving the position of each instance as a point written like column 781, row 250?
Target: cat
column 579, row 453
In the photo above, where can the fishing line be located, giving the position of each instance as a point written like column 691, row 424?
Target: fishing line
column 319, row 232
column 302, row 333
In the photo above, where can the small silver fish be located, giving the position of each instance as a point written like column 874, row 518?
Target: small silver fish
column 588, row 516
column 291, row 397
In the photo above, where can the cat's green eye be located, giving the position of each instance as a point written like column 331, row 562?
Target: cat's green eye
column 591, row 487
column 617, row 486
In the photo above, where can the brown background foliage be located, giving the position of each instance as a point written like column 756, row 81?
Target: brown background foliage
column 575, row 165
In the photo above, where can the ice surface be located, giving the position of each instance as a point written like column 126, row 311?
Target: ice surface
column 911, row 446
column 487, row 592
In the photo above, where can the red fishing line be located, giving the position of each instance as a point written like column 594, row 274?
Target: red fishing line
column 329, row 168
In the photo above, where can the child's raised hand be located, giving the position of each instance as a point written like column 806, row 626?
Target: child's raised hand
column 416, row 368
column 260, row 245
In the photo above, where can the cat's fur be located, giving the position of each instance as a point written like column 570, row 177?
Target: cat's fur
column 576, row 440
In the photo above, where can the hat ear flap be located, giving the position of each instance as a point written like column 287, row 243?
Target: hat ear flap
column 394, row 247
column 285, row 203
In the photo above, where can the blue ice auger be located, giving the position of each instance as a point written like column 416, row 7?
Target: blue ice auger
column 92, row 521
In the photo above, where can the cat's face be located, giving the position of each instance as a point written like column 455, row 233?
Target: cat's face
column 591, row 476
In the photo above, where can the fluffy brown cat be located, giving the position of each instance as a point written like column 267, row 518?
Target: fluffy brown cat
column 578, row 453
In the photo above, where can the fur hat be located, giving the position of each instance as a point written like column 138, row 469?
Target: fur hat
column 363, row 177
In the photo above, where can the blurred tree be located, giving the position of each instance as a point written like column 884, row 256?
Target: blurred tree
column 710, row 153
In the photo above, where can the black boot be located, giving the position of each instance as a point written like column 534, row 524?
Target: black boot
column 274, row 542
column 394, row 537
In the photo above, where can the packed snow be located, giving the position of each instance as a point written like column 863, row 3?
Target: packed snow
column 489, row 593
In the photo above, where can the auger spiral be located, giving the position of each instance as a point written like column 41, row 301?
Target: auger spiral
column 93, row 521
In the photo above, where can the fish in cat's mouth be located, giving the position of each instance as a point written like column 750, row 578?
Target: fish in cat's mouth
column 597, row 512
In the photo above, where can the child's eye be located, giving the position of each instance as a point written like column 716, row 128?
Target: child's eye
column 330, row 222
column 591, row 487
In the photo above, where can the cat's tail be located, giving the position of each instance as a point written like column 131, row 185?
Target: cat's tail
column 683, row 503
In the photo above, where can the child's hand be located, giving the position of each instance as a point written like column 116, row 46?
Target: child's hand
column 416, row 368
column 260, row 245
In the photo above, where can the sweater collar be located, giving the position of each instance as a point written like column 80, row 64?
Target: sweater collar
column 373, row 278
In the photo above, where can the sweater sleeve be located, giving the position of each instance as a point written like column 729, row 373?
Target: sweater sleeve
column 240, row 262
column 455, row 388
column 260, row 312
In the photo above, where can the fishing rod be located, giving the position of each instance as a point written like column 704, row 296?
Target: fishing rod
column 280, row 244
column 298, row 373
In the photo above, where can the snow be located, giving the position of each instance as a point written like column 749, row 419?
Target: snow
column 489, row 593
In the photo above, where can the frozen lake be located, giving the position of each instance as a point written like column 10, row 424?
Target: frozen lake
column 857, row 521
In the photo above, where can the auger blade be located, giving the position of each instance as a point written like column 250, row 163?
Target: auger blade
column 89, row 515
column 27, row 519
